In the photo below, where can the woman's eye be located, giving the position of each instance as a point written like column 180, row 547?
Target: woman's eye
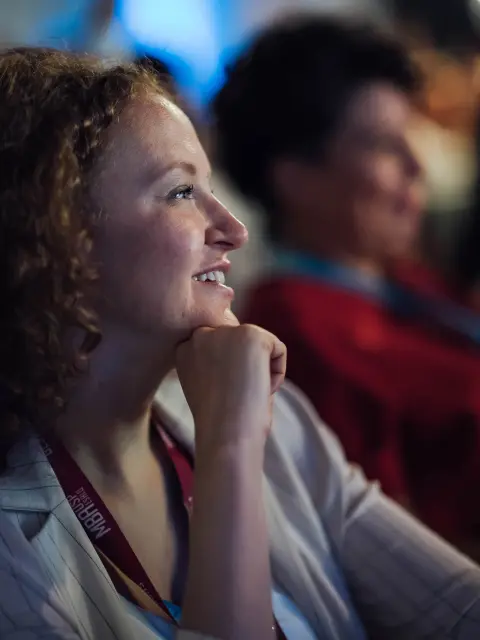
column 183, row 193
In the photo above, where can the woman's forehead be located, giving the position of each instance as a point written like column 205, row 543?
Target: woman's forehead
column 153, row 131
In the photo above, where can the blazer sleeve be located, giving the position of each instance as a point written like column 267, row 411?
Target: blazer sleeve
column 406, row 582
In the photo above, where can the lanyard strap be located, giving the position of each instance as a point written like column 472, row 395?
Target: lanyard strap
column 126, row 572
column 123, row 566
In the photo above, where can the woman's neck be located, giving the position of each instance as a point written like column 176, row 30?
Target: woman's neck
column 106, row 426
column 113, row 454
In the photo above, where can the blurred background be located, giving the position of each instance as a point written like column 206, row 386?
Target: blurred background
column 195, row 39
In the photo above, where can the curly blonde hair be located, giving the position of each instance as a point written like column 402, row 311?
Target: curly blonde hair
column 54, row 110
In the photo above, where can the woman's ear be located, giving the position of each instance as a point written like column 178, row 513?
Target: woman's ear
column 83, row 342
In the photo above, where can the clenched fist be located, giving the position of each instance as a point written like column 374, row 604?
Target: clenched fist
column 228, row 376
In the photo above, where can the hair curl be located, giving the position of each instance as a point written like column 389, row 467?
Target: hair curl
column 54, row 110
column 286, row 93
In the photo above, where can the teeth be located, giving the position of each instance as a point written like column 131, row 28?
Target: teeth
column 212, row 276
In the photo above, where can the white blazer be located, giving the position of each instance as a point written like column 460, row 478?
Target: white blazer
column 338, row 547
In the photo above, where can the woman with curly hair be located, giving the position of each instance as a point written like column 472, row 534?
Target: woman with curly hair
column 112, row 251
column 113, row 254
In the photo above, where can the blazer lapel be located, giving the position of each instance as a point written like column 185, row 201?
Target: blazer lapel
column 29, row 483
column 80, row 576
column 31, row 487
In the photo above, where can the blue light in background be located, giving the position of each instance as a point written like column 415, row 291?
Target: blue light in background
column 182, row 33
column 65, row 27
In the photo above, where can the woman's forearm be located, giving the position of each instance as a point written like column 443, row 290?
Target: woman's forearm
column 228, row 592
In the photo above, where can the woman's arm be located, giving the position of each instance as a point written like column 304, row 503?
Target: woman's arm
column 229, row 376
column 228, row 589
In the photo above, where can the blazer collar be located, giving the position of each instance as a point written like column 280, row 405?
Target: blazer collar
column 29, row 483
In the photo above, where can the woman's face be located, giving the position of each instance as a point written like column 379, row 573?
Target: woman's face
column 162, row 229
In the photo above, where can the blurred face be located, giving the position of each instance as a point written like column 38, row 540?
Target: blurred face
column 164, row 240
column 367, row 195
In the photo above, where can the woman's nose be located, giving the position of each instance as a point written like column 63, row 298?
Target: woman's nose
column 225, row 229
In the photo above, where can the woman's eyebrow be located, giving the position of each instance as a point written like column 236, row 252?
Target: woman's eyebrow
column 154, row 172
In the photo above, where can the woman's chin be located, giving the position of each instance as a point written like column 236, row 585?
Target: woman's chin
column 224, row 319
column 230, row 319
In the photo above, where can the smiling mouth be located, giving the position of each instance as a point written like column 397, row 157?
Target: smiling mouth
column 214, row 277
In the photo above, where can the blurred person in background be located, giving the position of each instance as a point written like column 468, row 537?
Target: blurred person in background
column 313, row 124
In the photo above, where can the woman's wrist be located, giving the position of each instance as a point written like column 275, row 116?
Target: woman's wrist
column 244, row 455
column 238, row 438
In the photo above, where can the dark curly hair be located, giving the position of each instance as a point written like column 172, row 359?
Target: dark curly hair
column 54, row 111
column 287, row 92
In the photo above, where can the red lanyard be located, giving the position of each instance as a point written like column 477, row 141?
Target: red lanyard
column 183, row 465
column 100, row 525
column 98, row 522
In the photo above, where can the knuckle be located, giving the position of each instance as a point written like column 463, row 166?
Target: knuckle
column 250, row 331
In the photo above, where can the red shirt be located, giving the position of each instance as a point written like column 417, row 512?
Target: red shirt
column 404, row 399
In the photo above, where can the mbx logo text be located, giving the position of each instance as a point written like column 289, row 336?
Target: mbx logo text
column 88, row 514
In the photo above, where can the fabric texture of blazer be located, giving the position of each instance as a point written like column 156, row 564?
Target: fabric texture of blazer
column 355, row 564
